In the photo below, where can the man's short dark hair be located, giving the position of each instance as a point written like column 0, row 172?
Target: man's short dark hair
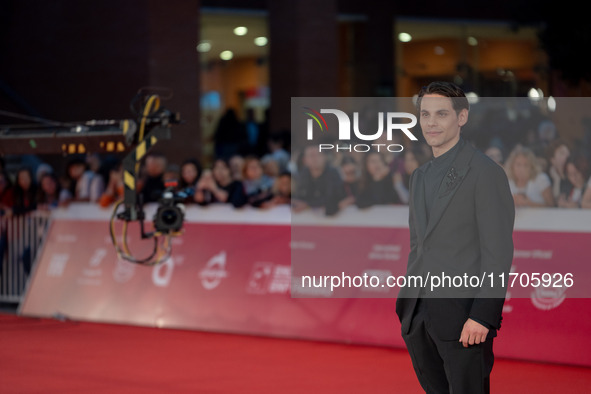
column 446, row 89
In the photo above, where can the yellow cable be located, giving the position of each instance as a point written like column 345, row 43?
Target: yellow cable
column 147, row 109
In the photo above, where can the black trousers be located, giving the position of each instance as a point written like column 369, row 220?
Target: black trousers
column 447, row 366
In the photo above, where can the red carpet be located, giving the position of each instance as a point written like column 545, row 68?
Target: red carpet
column 49, row 356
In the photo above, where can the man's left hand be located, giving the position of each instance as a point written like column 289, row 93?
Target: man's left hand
column 473, row 333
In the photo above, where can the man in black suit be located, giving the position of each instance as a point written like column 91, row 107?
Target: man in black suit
column 461, row 216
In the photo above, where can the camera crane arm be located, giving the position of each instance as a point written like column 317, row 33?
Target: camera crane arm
column 153, row 125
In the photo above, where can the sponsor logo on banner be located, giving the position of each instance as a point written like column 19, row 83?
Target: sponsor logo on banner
column 97, row 257
column 57, row 265
column 385, row 252
column 259, row 278
column 281, row 280
column 124, row 270
column 92, row 273
column 214, row 272
column 162, row 273
column 546, row 299
column 268, row 278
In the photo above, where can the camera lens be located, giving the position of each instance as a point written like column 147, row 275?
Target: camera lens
column 169, row 216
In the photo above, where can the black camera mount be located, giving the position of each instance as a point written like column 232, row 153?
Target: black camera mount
column 154, row 125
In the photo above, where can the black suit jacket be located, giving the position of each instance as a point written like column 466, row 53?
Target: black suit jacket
column 469, row 231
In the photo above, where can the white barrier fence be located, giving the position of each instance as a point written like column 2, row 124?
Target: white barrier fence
column 20, row 239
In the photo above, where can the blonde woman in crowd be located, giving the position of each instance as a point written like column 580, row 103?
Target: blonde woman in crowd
column 530, row 186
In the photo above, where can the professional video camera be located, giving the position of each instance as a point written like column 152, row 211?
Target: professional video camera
column 171, row 212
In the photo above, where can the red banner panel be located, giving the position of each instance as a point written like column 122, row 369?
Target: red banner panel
column 236, row 277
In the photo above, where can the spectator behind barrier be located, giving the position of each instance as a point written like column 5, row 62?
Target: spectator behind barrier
column 351, row 176
column 577, row 172
column 83, row 180
column 115, row 188
column 557, row 154
column 50, row 194
column 24, row 192
column 270, row 167
column 530, row 186
column 282, row 189
column 75, row 168
column 318, row 185
column 236, row 164
column 217, row 185
column 257, row 186
column 377, row 184
column 495, row 153
column 281, row 193
column 83, row 174
column 92, row 184
column 43, row 169
column 6, row 194
column 191, row 171
column 277, row 152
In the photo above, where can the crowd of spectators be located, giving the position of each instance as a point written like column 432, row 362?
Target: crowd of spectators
column 545, row 172
column 254, row 168
column 561, row 178
column 253, row 172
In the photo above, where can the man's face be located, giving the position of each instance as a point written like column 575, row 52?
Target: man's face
column 440, row 123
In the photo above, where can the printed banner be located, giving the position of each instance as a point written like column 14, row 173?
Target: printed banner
column 236, row 278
